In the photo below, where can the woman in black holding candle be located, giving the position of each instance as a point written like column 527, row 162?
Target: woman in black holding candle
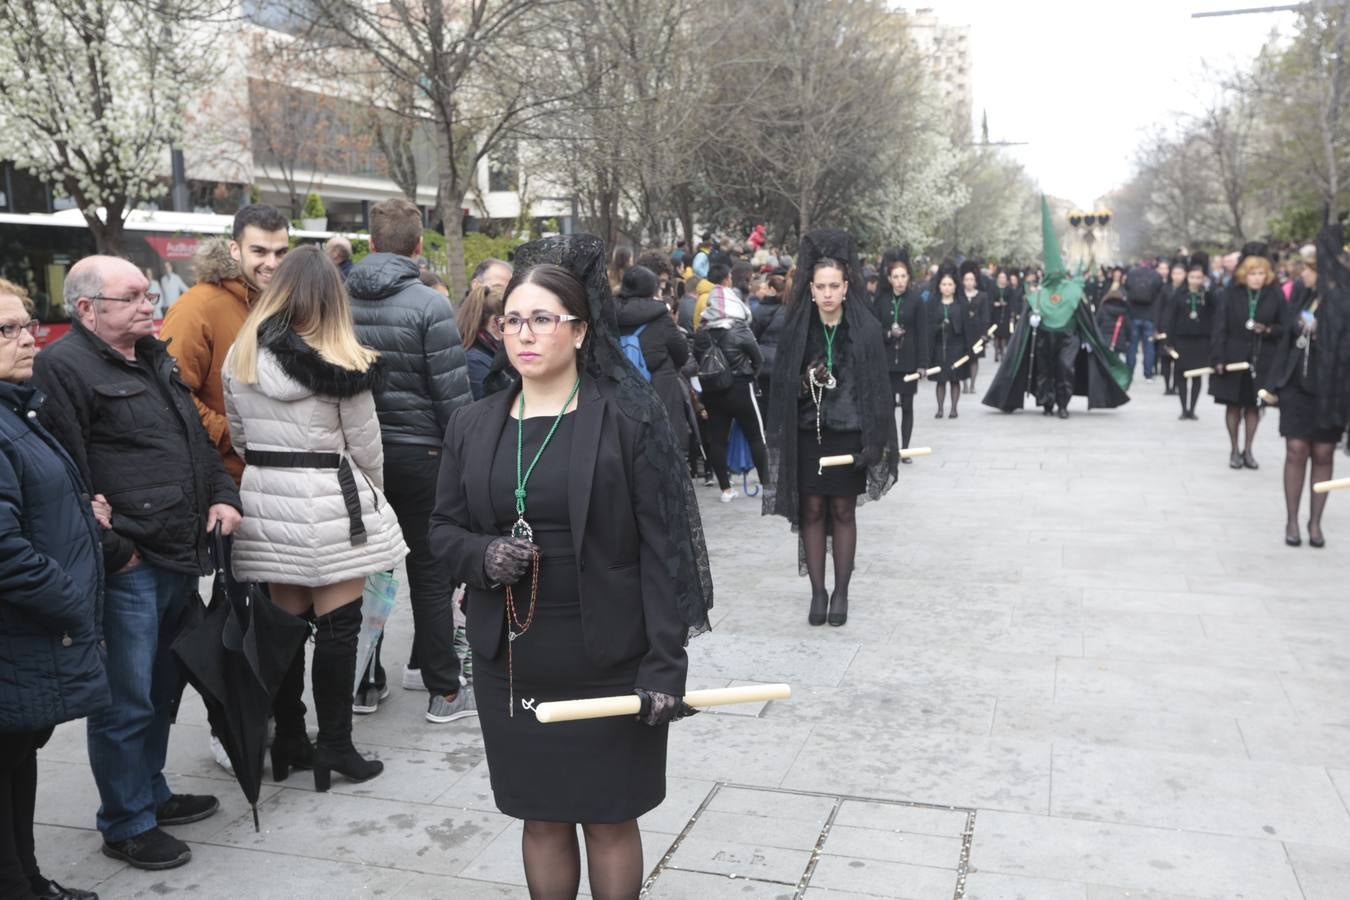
column 566, row 508
column 1189, row 322
column 949, row 339
column 1311, row 390
column 1246, row 329
column 831, row 397
column 903, row 329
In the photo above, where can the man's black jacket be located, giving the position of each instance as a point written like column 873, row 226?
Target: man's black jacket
column 135, row 435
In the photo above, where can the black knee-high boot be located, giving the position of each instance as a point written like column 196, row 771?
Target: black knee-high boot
column 334, row 673
column 291, row 748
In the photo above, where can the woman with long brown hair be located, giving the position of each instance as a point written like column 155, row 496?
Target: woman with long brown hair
column 474, row 318
column 302, row 416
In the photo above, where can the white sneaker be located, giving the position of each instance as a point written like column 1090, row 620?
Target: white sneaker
column 730, row 494
column 1148, row 381
column 412, row 680
column 221, row 757
column 441, row 710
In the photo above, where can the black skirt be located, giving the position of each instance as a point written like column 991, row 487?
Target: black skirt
column 1193, row 351
column 902, row 387
column 1233, row 389
column 1298, row 417
column 835, row 481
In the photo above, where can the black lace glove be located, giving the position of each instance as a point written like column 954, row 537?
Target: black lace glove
column 506, row 559
column 658, row 708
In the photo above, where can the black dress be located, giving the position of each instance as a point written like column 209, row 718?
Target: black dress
column 949, row 338
column 840, row 422
column 1231, row 341
column 908, row 352
column 979, row 315
column 1297, row 379
column 1002, row 315
column 1189, row 324
column 595, row 771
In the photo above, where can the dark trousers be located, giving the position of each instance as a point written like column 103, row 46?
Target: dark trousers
column 737, row 403
column 410, row 472
column 1056, row 354
column 19, row 875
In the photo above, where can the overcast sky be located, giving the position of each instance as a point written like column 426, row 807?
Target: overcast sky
column 1083, row 83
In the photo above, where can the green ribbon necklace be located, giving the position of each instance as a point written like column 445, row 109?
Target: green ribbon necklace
column 895, row 309
column 521, row 529
column 830, row 332
column 1253, row 298
column 1193, row 301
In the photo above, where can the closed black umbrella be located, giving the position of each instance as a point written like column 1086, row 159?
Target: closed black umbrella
column 236, row 658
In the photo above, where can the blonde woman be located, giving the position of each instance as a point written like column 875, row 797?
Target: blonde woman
column 301, row 414
column 1246, row 329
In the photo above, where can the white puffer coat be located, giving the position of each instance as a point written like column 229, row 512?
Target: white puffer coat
column 296, row 529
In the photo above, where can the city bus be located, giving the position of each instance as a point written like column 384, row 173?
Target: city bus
column 37, row 250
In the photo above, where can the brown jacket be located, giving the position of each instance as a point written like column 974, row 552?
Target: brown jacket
column 200, row 329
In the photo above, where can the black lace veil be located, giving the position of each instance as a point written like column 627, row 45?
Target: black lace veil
column 881, row 445
column 1333, row 286
column 687, row 558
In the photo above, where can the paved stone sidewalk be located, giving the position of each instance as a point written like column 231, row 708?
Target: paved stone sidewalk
column 1080, row 665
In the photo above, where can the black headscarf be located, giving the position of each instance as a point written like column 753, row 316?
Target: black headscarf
column 687, row 559
column 876, row 405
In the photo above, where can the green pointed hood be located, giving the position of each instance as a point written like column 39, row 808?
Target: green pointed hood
column 1050, row 252
column 1059, row 293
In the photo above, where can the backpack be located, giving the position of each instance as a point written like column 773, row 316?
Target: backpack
column 632, row 348
column 714, row 374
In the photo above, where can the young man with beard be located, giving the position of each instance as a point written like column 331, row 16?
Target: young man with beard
column 199, row 329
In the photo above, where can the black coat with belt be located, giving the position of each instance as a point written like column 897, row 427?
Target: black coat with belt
column 628, row 606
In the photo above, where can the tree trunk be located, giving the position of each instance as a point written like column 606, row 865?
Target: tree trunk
column 107, row 235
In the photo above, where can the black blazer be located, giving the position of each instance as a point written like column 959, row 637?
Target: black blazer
column 628, row 607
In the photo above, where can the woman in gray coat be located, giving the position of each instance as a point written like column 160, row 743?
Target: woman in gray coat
column 301, row 414
column 51, row 588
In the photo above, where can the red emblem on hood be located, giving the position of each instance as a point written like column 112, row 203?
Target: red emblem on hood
column 1055, row 298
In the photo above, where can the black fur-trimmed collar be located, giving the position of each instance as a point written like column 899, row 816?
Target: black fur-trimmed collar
column 303, row 363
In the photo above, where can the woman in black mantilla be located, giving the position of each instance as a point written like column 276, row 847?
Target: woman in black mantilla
column 565, row 506
column 1189, row 322
column 949, row 339
column 1247, row 329
column 904, row 329
column 1305, row 378
column 1001, row 305
column 979, row 316
column 831, row 396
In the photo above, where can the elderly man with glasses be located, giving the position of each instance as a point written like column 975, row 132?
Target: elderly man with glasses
column 117, row 405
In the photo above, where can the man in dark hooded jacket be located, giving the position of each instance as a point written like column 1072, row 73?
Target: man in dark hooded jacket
column 426, row 379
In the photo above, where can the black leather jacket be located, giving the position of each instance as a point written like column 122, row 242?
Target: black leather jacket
column 413, row 328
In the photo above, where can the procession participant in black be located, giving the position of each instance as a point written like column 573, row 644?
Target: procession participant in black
column 1056, row 350
column 904, row 325
column 1001, row 306
column 1308, row 376
column 949, row 339
column 1188, row 323
column 831, row 396
column 1247, row 329
column 566, row 507
column 1173, row 290
column 979, row 316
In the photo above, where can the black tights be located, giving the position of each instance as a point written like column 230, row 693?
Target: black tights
column 942, row 394
column 1195, row 385
column 906, row 419
column 1296, row 456
column 553, row 860
column 843, row 532
column 1235, row 416
column 19, row 875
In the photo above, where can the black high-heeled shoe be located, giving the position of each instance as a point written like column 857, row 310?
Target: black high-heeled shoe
column 938, row 414
column 838, row 608
column 820, row 604
column 1294, row 539
column 1235, row 460
column 1318, row 542
column 1248, row 460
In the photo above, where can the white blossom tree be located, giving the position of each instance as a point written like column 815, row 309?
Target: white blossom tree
column 93, row 93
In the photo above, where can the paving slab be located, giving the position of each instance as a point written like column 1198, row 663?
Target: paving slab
column 1119, row 668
